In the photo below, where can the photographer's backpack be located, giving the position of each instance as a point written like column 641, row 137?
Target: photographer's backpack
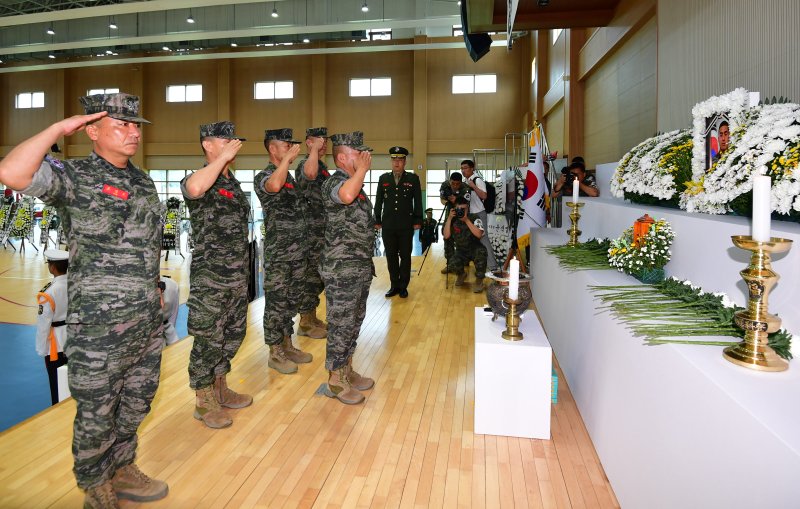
column 491, row 196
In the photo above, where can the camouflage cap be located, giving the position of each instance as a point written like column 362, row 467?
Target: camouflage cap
column 119, row 106
column 354, row 140
column 317, row 132
column 222, row 130
column 284, row 134
column 398, row 152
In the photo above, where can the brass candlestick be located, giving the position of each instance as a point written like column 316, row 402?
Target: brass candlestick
column 512, row 332
column 753, row 352
column 574, row 216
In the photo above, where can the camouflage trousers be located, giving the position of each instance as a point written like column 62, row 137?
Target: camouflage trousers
column 312, row 285
column 346, row 293
column 113, row 377
column 475, row 253
column 281, row 298
column 218, row 322
column 449, row 248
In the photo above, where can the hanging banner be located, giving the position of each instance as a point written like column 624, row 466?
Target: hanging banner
column 511, row 8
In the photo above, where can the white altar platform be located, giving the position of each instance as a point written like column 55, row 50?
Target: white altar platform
column 512, row 378
column 676, row 425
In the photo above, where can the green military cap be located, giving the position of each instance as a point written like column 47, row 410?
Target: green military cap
column 429, row 210
column 119, row 106
column 353, row 140
column 317, row 132
column 222, row 130
column 398, row 152
column 284, row 134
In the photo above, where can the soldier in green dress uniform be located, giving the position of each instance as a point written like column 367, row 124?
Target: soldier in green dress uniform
column 398, row 213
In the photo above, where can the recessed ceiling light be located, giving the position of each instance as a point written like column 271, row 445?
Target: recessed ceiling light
column 50, row 30
column 234, row 45
column 165, row 48
column 51, row 56
column 306, row 40
column 365, row 7
column 108, row 52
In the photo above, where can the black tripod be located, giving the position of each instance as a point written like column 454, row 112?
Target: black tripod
column 427, row 250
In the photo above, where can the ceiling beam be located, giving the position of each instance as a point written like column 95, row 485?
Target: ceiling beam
column 248, row 54
column 116, row 10
column 443, row 21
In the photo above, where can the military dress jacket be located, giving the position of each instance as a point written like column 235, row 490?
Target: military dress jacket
column 220, row 232
column 349, row 227
column 113, row 221
column 398, row 206
column 284, row 218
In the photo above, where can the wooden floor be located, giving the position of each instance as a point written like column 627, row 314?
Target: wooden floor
column 410, row 445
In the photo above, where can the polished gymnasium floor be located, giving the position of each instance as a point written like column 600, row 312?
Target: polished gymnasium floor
column 410, row 445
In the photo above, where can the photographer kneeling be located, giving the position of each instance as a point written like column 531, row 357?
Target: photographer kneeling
column 466, row 230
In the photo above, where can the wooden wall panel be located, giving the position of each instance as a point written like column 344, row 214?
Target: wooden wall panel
column 557, row 57
column 178, row 122
column 620, row 99
column 253, row 116
column 384, row 120
column 554, row 129
column 19, row 125
column 461, row 122
column 710, row 47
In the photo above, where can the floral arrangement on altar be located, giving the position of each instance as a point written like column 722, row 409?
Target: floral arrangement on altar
column 643, row 254
column 674, row 168
column 658, row 167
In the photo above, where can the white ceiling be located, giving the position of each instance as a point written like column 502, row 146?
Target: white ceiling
column 82, row 30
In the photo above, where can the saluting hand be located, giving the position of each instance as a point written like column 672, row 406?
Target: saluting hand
column 363, row 161
column 293, row 152
column 230, row 150
column 77, row 123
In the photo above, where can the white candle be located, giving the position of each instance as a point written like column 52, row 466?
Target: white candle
column 761, row 208
column 513, row 280
column 576, row 190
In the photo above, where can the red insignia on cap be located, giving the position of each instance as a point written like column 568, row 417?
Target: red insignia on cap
column 115, row 192
column 226, row 193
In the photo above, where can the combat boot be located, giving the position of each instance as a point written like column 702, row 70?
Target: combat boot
column 320, row 323
column 228, row 398
column 461, row 277
column 295, row 354
column 279, row 361
column 308, row 326
column 445, row 270
column 478, row 286
column 339, row 387
column 101, row 497
column 130, row 483
column 359, row 383
column 207, row 409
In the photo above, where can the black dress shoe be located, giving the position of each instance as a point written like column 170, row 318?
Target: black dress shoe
column 403, row 293
column 392, row 292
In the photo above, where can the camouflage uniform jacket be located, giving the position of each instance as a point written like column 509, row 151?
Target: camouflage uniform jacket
column 311, row 190
column 113, row 220
column 461, row 234
column 284, row 219
column 219, row 230
column 350, row 228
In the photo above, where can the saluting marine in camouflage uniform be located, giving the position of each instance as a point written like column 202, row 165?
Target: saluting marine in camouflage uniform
column 311, row 172
column 466, row 232
column 285, row 249
column 219, row 274
column 112, row 217
column 346, row 266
